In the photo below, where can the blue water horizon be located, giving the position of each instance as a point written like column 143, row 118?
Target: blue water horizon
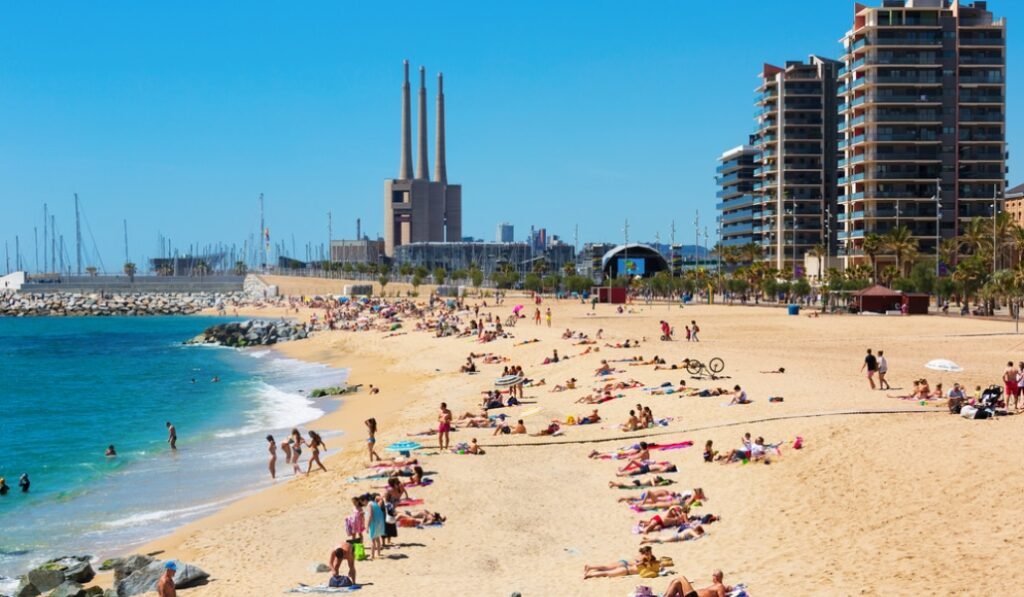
column 72, row 386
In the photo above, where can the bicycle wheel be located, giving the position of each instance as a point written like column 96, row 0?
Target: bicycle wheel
column 716, row 365
column 694, row 367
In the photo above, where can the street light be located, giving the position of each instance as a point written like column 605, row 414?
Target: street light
column 938, row 224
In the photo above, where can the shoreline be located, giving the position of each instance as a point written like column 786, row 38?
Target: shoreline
column 875, row 522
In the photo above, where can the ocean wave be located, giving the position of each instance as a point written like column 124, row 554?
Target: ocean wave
column 258, row 354
column 275, row 409
column 144, row 518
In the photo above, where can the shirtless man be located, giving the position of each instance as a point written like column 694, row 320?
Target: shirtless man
column 444, row 426
column 680, row 587
column 165, row 587
column 343, row 552
column 172, row 436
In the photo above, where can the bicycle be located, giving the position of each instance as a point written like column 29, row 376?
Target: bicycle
column 699, row 369
column 511, row 321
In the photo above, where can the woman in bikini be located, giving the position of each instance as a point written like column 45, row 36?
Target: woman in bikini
column 315, row 443
column 656, row 481
column 371, row 441
column 296, row 441
column 622, row 567
column 272, row 448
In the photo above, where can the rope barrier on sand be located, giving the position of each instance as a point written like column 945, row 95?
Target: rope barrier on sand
column 620, row 438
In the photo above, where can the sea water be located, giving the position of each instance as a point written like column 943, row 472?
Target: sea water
column 69, row 387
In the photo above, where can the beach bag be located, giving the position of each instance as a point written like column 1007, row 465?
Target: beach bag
column 339, row 581
column 358, row 550
column 649, row 570
column 968, row 411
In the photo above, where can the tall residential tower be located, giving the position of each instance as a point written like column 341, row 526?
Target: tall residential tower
column 922, row 120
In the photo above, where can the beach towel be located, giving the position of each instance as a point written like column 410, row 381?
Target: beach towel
column 322, row 589
column 739, row 590
column 406, row 503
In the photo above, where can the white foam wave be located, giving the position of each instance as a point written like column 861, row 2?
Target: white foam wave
column 144, row 518
column 275, row 409
column 258, row 354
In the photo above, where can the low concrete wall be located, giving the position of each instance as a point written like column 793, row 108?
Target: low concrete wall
column 142, row 284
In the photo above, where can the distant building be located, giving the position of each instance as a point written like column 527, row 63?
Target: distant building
column 1013, row 204
column 739, row 209
column 357, row 251
column 505, row 233
column 416, row 208
column 489, row 257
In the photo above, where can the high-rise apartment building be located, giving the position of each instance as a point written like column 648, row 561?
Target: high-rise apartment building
column 416, row 208
column 923, row 106
column 505, row 233
column 796, row 136
column 738, row 208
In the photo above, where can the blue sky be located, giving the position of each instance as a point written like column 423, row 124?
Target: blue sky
column 176, row 116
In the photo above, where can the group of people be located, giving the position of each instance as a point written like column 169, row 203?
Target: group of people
column 876, row 365
column 23, row 483
column 292, row 449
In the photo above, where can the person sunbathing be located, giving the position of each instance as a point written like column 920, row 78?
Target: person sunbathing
column 656, row 481
column 396, row 462
column 622, row 567
column 422, row 517
column 684, row 535
column 779, row 370
column 469, row 367
column 503, row 428
column 680, row 587
column 646, row 417
column 569, row 385
column 641, row 452
column 651, row 467
column 632, row 423
column 675, row 516
column 474, row 448
column 417, row 479
column 596, row 399
column 684, row 365
column 604, row 369
column 590, row 419
column 551, row 429
column 663, row 497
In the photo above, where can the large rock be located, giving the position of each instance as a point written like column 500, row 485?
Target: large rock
column 68, row 589
column 123, row 567
column 145, row 579
column 45, row 578
column 75, row 568
column 26, row 589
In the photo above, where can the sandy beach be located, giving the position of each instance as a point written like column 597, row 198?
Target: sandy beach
column 886, row 496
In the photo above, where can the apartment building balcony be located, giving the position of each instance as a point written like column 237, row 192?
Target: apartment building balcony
column 921, row 78
column 982, row 59
column 969, row 116
column 974, row 95
column 908, row 116
column 983, row 78
column 975, row 40
column 912, row 40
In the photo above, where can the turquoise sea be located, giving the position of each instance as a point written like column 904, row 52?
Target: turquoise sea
column 69, row 387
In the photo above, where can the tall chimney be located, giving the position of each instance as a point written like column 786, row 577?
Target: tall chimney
column 405, row 168
column 422, row 168
column 440, row 169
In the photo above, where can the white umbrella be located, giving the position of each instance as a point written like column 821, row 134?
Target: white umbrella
column 943, row 365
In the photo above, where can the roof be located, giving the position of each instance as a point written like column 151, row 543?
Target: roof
column 1014, row 192
column 877, row 290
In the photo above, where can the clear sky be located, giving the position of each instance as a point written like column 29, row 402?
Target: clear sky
column 176, row 116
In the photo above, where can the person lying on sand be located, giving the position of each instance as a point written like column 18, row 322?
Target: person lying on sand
column 597, row 399
column 666, row 496
column 688, row 534
column 570, row 384
column 680, row 587
column 685, row 364
column 675, row 516
column 641, row 452
column 395, row 462
column 651, row 467
column 420, row 518
column 622, row 567
column 590, row 419
column 779, row 370
column 551, row 429
column 656, row 481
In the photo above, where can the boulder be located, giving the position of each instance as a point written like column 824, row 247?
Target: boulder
column 26, row 589
column 75, row 568
column 123, row 567
column 145, row 579
column 68, row 589
column 45, row 577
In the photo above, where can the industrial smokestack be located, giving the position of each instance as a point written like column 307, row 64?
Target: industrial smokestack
column 405, row 168
column 422, row 168
column 440, row 169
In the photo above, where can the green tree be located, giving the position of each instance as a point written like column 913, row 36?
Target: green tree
column 902, row 244
column 129, row 270
column 240, row 268
column 872, row 246
column 439, row 275
column 922, row 275
column 405, row 269
column 551, row 282
column 477, row 277
column 416, row 281
column 801, row 288
column 532, row 282
column 383, row 281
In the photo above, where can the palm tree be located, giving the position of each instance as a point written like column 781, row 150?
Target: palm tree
column 900, row 242
column 240, row 268
column 751, row 252
column 569, row 269
column 949, row 250
column 977, row 235
column 818, row 251
column 129, row 270
column 1016, row 241
column 872, row 246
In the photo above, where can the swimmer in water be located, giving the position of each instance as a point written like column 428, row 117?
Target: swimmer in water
column 111, row 452
column 172, row 436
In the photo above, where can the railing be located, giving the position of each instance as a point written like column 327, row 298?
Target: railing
column 982, row 41
column 916, row 116
column 981, row 117
column 982, row 60
column 993, row 78
column 914, row 40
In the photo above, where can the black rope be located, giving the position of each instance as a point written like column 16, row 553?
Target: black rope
column 620, row 438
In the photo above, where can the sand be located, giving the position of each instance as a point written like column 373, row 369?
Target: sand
column 909, row 501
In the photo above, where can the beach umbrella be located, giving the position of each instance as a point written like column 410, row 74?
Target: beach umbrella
column 944, row 365
column 517, row 309
column 404, row 446
column 508, row 381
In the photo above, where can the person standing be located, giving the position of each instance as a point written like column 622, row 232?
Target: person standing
column 547, row 315
column 871, row 364
column 1020, row 386
column 694, row 330
column 165, row 586
column 536, row 316
column 4, row 488
column 172, row 436
column 371, row 441
column 24, row 483
column 272, row 448
column 883, row 368
column 1010, row 381
column 444, row 426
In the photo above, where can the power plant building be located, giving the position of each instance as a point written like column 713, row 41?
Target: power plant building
column 417, row 208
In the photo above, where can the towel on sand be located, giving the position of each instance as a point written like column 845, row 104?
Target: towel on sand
column 322, row 589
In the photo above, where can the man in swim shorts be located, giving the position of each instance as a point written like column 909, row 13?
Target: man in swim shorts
column 444, row 426
column 680, row 587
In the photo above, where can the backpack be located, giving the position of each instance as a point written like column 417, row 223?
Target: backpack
column 340, row 581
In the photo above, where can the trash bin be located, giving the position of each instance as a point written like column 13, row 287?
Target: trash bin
column 794, row 309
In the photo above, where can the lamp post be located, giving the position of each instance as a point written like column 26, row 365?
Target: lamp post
column 938, row 225
column 995, row 211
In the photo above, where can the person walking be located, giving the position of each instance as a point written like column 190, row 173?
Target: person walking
column 172, row 436
column 871, row 364
column 883, row 368
column 694, row 330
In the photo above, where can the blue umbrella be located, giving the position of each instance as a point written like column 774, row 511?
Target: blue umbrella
column 404, row 446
